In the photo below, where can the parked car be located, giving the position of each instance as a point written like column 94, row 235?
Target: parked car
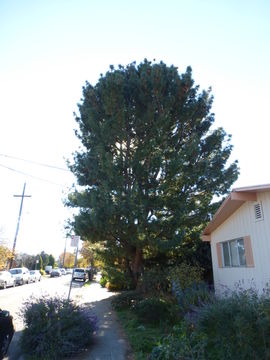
column 79, row 274
column 68, row 271
column 6, row 331
column 6, row 279
column 48, row 269
column 63, row 271
column 21, row 275
column 56, row 272
column 35, row 275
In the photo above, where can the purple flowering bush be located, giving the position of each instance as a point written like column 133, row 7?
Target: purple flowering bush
column 55, row 328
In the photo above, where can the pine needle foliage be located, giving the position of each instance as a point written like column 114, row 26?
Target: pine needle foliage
column 150, row 163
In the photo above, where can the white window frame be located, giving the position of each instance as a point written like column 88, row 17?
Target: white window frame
column 230, row 255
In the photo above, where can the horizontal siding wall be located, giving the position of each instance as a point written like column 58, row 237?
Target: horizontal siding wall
column 242, row 223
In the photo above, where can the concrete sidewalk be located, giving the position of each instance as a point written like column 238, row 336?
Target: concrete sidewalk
column 110, row 342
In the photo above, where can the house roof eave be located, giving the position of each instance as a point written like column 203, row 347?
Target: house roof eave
column 232, row 203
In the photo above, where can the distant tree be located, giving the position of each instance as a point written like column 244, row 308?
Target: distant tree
column 51, row 260
column 45, row 259
column 5, row 255
column 28, row 261
column 150, row 165
column 90, row 252
column 82, row 263
column 69, row 259
column 39, row 265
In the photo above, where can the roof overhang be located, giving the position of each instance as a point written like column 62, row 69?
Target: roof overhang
column 232, row 203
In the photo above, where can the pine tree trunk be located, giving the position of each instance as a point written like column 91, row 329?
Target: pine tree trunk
column 137, row 266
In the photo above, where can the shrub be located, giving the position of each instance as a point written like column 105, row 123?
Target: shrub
column 186, row 275
column 155, row 280
column 237, row 327
column 127, row 299
column 103, row 280
column 192, row 297
column 55, row 328
column 115, row 280
column 154, row 310
column 42, row 272
column 182, row 344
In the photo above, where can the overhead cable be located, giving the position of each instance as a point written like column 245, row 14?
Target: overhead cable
column 35, row 162
column 32, row 176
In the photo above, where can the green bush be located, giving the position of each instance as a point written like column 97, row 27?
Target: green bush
column 182, row 344
column 186, row 275
column 103, row 280
column 155, row 280
column 127, row 299
column 115, row 280
column 237, row 327
column 55, row 328
column 154, row 310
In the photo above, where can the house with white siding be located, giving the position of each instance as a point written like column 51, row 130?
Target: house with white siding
column 239, row 235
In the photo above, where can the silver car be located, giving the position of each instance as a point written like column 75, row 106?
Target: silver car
column 35, row 275
column 79, row 274
column 21, row 275
column 6, row 279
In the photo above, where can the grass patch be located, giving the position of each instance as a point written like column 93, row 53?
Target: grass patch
column 142, row 337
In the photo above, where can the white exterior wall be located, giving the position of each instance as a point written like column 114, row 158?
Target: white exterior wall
column 239, row 224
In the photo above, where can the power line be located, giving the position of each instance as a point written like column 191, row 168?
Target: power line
column 32, row 176
column 35, row 162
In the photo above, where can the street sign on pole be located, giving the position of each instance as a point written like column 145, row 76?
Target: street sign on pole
column 75, row 240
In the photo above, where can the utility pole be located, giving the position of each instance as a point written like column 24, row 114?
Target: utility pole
column 18, row 223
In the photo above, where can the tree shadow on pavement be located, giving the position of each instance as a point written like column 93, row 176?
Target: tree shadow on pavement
column 110, row 341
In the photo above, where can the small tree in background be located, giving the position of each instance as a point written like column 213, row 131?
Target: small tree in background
column 5, row 255
column 91, row 253
column 45, row 259
column 150, row 164
column 51, row 260
column 69, row 259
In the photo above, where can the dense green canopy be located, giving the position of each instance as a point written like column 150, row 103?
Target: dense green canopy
column 150, row 164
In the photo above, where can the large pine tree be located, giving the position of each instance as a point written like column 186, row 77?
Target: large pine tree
column 150, row 164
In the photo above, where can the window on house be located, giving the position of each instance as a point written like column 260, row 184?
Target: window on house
column 234, row 253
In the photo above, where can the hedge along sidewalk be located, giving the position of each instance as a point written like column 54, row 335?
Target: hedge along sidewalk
column 110, row 342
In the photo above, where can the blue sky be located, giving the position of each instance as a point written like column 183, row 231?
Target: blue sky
column 48, row 49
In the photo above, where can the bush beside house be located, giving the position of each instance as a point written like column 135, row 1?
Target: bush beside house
column 191, row 323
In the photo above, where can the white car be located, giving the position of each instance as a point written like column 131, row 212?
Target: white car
column 6, row 279
column 35, row 275
column 79, row 274
column 21, row 275
column 63, row 271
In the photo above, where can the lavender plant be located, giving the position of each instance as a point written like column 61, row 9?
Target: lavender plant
column 55, row 328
